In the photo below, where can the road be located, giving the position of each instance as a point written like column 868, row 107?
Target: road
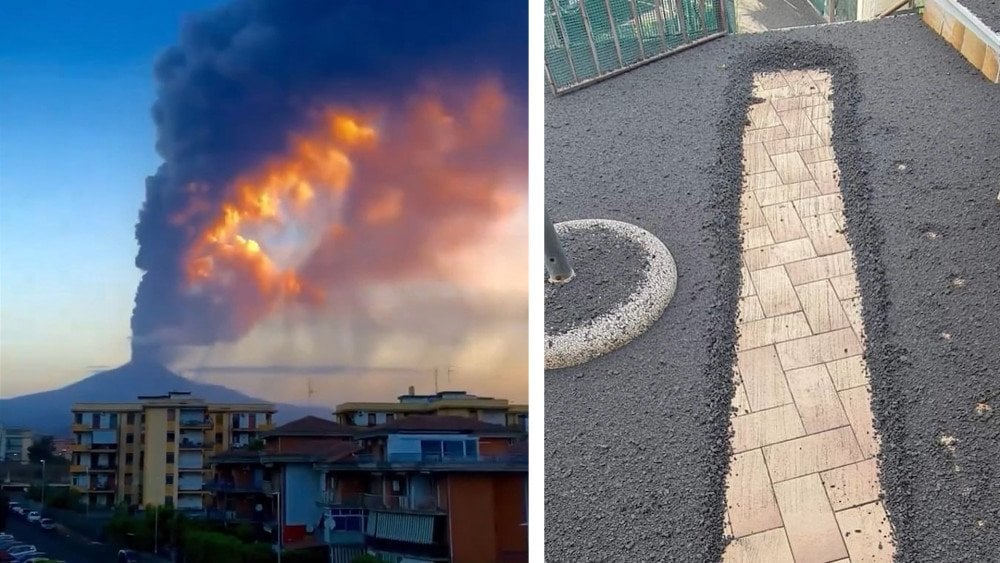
column 58, row 543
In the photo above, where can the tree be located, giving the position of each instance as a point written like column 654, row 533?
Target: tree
column 43, row 449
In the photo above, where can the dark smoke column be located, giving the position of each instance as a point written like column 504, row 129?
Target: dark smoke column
column 241, row 79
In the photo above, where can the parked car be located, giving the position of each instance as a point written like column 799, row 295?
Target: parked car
column 128, row 556
column 17, row 508
column 13, row 506
column 28, row 555
column 34, row 516
column 5, row 536
column 19, row 549
column 47, row 524
column 8, row 543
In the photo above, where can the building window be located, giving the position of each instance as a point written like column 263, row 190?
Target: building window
column 95, row 420
column 171, row 415
column 128, row 459
column 218, row 419
column 389, row 417
column 142, row 459
column 170, row 479
column 170, row 457
column 371, row 419
column 168, row 501
column 218, row 437
column 114, row 420
column 130, row 418
column 170, row 437
column 129, row 438
column 78, row 418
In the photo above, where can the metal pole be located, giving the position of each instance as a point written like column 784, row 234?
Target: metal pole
column 281, row 527
column 614, row 32
column 663, row 30
column 156, row 529
column 565, row 40
column 590, row 35
column 559, row 269
column 637, row 23
column 43, row 485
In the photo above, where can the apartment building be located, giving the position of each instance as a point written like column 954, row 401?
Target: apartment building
column 425, row 489
column 155, row 450
column 14, row 443
column 444, row 403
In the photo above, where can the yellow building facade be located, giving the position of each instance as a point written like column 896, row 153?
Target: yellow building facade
column 155, row 450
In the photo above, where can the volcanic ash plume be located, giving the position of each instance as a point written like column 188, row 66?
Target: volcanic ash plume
column 283, row 190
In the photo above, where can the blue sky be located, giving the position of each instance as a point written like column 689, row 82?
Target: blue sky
column 76, row 143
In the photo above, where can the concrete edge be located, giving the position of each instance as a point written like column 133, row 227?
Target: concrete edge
column 620, row 326
column 976, row 42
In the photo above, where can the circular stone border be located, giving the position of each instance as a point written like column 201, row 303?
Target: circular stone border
column 634, row 316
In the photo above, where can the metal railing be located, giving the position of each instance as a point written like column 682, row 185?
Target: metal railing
column 431, row 459
column 380, row 502
column 589, row 40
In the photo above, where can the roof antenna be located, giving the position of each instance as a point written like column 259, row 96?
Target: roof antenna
column 435, row 381
column 309, row 390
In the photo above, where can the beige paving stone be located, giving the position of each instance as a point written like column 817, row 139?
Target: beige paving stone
column 857, row 403
column 756, row 159
column 757, row 236
column 798, row 102
column 799, row 79
column 825, row 233
column 793, row 144
column 828, row 203
column 779, row 253
column 848, row 372
column 775, row 291
column 821, row 306
column 749, row 498
column 762, row 180
column 824, row 127
column 775, row 329
column 812, row 453
column 818, row 349
column 819, row 112
column 726, row 524
column 846, row 286
column 783, row 222
column 768, row 81
column 823, row 267
column 852, row 485
column 746, row 284
column 826, row 174
column 767, row 134
column 816, row 399
column 810, row 525
column 749, row 310
column 797, row 122
column 751, row 431
column 782, row 193
column 822, row 82
column 791, row 168
column 763, row 379
column 766, row 547
column 750, row 214
column 741, row 405
column 763, row 115
column 874, row 542
column 852, row 308
column 817, row 154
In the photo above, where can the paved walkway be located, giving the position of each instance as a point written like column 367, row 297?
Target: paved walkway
column 803, row 483
column 761, row 15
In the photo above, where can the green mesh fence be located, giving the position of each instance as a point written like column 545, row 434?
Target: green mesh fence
column 586, row 39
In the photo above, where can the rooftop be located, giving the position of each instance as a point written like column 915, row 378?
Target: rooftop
column 311, row 426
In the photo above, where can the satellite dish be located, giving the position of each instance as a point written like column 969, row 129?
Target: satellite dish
column 330, row 523
column 258, row 508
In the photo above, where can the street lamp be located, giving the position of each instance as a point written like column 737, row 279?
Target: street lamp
column 43, row 485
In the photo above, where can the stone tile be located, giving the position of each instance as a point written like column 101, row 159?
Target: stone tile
column 775, row 329
column 746, row 284
column 848, row 372
column 824, row 128
column 973, row 49
column 798, row 102
column 783, row 193
column 810, row 525
column 740, row 404
column 933, row 16
column 775, row 291
column 791, row 168
column 766, row 547
column 823, row 82
column 817, row 154
column 766, row 427
column 768, row 81
column 818, row 349
column 797, row 122
column 812, row 453
column 762, row 135
column 852, row 485
column 777, row 254
column 874, row 541
column 953, row 31
column 750, row 215
column 846, row 286
column 763, row 379
column 821, row 306
column 825, row 233
column 783, row 222
column 757, row 236
column 816, row 399
column 830, row 203
column 749, row 310
column 819, row 112
column 793, row 144
column 852, row 308
column 824, row 267
column 826, row 174
column 799, row 79
column 762, row 180
column 857, row 403
column 762, row 116
column 756, row 159
column 749, row 498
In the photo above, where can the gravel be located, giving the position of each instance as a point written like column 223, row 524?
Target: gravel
column 986, row 10
column 636, row 441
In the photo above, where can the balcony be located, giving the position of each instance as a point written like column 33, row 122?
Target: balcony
column 192, row 445
column 400, row 503
column 203, row 423
column 190, row 486
column 102, row 467
column 509, row 462
column 234, row 487
column 79, row 448
column 104, row 447
column 80, row 427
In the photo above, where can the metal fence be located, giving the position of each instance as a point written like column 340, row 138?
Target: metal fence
column 589, row 40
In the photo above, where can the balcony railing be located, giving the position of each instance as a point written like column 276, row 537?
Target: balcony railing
column 380, row 502
column 190, row 486
column 191, row 445
column 234, row 487
column 196, row 422
column 434, row 459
